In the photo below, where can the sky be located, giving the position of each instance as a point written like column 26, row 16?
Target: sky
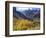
column 22, row 8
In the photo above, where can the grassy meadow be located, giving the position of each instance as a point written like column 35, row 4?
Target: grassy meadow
column 24, row 24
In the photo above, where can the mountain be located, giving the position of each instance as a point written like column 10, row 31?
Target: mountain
column 27, row 14
column 18, row 14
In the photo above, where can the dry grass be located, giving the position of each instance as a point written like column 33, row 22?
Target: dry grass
column 23, row 24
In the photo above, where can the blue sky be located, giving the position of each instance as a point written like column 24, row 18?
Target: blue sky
column 22, row 8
